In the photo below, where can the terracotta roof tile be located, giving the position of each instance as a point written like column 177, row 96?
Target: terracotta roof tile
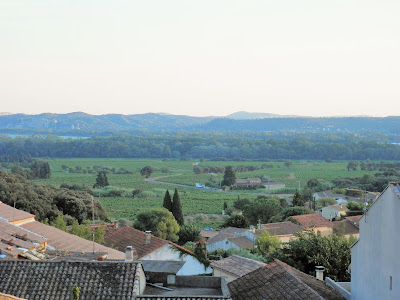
column 119, row 238
column 64, row 241
column 237, row 265
column 280, row 228
column 54, row 280
column 312, row 220
column 277, row 281
column 11, row 214
column 347, row 226
column 354, row 220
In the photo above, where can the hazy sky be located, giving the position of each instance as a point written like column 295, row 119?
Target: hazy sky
column 208, row 57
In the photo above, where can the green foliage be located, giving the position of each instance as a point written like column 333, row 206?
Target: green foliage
column 238, row 221
column 266, row 243
column 322, row 202
column 298, row 199
column 75, row 293
column 233, row 251
column 177, row 208
column 188, row 233
column 167, row 201
column 59, row 223
column 290, row 211
column 262, row 210
column 146, row 171
column 229, row 176
column 310, row 250
column 160, row 222
column 240, row 203
column 101, row 179
column 352, row 165
column 225, row 205
column 312, row 183
column 46, row 201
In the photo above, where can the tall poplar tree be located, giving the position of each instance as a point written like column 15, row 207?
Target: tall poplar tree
column 167, row 201
column 177, row 208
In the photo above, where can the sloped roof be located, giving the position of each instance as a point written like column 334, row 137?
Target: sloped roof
column 64, row 241
column 225, row 233
column 54, row 280
column 278, row 280
column 340, row 207
column 280, row 228
column 208, row 233
column 347, row 227
column 121, row 237
column 312, row 220
column 242, row 242
column 13, row 238
column 12, row 214
column 237, row 265
column 354, row 219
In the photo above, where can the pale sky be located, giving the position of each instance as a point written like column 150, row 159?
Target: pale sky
column 208, row 57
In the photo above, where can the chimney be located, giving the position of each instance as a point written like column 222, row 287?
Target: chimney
column 148, row 236
column 116, row 225
column 319, row 272
column 130, row 254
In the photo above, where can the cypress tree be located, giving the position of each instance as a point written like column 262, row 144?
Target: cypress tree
column 229, row 176
column 177, row 208
column 167, row 201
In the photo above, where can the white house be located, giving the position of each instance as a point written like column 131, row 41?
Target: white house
column 375, row 263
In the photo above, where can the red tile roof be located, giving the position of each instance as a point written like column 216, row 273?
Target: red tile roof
column 354, row 220
column 280, row 228
column 121, row 237
column 64, row 241
column 346, row 227
column 12, row 214
column 278, row 280
column 312, row 220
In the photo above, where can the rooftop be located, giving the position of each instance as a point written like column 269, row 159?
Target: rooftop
column 14, row 215
column 121, row 237
column 15, row 241
column 278, row 280
column 312, row 220
column 54, row 280
column 280, row 228
column 187, row 287
column 225, row 233
column 64, row 241
column 242, row 242
column 237, row 265
column 354, row 219
column 346, row 227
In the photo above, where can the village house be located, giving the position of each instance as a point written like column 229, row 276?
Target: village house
column 334, row 212
column 375, row 264
column 149, row 247
column 229, row 237
column 314, row 222
column 23, row 227
column 278, row 280
column 234, row 266
column 346, row 228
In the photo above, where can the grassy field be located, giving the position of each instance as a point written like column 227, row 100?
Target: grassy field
column 199, row 206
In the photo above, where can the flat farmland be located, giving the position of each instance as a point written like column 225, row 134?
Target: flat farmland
column 199, row 206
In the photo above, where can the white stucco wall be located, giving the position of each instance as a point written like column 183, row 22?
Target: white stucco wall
column 224, row 244
column 329, row 213
column 376, row 256
column 191, row 267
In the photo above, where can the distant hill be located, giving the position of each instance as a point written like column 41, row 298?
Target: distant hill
column 244, row 115
column 82, row 122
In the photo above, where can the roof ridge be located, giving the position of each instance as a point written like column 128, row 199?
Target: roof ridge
column 285, row 266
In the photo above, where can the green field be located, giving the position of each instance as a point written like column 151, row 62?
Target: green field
column 198, row 205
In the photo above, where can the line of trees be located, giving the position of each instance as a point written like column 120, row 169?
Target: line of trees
column 208, row 145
